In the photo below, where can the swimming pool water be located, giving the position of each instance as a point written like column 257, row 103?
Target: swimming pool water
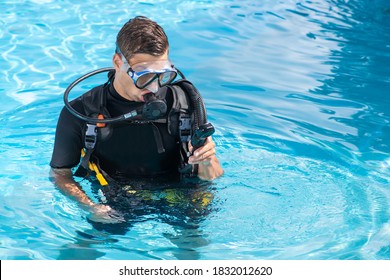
column 298, row 92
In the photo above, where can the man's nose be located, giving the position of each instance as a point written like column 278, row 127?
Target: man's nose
column 153, row 86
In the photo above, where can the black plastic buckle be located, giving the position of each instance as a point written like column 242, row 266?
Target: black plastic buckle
column 90, row 136
column 185, row 129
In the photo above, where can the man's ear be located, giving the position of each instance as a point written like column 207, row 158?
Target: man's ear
column 117, row 61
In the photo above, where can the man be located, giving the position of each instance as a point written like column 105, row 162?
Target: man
column 133, row 149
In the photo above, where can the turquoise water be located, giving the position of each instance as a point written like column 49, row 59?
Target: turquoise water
column 298, row 91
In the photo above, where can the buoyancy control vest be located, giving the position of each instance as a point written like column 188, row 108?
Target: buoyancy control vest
column 186, row 114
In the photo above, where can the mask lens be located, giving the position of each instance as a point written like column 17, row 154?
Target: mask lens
column 166, row 78
column 145, row 73
column 145, row 79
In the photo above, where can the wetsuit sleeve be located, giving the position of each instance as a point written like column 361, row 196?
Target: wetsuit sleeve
column 68, row 139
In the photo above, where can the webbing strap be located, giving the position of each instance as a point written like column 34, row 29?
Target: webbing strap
column 82, row 170
column 89, row 144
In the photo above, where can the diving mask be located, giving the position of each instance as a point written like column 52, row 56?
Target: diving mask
column 145, row 73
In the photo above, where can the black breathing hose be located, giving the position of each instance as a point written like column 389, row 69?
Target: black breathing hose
column 198, row 107
column 81, row 116
column 196, row 100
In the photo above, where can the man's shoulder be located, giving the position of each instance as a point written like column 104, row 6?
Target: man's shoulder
column 91, row 94
column 87, row 101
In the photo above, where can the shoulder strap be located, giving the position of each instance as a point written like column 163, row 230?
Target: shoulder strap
column 181, row 122
column 94, row 105
column 90, row 139
column 179, row 118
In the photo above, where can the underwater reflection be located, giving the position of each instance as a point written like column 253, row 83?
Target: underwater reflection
column 181, row 207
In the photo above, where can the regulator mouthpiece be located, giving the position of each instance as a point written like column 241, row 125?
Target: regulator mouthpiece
column 154, row 108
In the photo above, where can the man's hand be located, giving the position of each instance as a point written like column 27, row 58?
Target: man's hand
column 209, row 167
column 105, row 214
column 63, row 179
column 204, row 154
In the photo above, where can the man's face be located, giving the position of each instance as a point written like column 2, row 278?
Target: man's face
column 124, row 84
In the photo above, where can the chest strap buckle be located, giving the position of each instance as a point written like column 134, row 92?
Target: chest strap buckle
column 90, row 136
column 185, row 129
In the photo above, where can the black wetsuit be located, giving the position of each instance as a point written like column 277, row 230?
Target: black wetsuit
column 130, row 152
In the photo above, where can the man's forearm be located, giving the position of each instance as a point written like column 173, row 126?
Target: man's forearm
column 63, row 179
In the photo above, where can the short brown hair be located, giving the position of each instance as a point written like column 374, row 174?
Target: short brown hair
column 141, row 35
